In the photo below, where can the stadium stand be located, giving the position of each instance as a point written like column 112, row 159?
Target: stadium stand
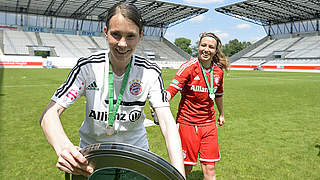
column 67, row 30
column 163, row 52
column 308, row 47
column 101, row 42
column 293, row 39
column 17, row 42
column 68, row 45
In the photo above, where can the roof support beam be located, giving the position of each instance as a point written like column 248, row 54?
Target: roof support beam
column 297, row 7
column 153, row 11
column 228, row 12
column 48, row 10
column 132, row 1
column 183, row 17
column 90, row 9
column 144, row 10
column 28, row 6
column 271, row 12
column 261, row 12
column 78, row 12
column 248, row 13
column 316, row 2
column 150, row 7
column 57, row 12
column 17, row 6
column 282, row 10
column 164, row 14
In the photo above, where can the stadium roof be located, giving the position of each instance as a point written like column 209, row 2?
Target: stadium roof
column 269, row 12
column 154, row 13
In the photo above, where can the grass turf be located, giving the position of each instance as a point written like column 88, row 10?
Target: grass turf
column 272, row 125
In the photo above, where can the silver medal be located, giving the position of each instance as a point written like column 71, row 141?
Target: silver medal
column 212, row 96
column 110, row 130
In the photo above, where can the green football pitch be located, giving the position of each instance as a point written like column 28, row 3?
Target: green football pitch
column 272, row 128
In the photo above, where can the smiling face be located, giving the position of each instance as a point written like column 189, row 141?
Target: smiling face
column 123, row 37
column 207, row 50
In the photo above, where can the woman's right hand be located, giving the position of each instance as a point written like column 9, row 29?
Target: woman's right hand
column 72, row 161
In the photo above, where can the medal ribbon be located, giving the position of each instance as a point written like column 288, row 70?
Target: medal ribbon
column 210, row 88
column 113, row 111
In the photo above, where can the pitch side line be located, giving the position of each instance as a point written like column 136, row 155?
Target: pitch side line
column 28, row 85
column 283, row 79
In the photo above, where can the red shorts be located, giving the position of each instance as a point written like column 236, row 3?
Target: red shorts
column 199, row 140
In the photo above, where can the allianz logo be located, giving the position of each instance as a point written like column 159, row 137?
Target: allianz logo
column 198, row 88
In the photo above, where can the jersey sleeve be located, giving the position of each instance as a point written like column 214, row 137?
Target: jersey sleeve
column 179, row 80
column 71, row 89
column 157, row 95
column 219, row 91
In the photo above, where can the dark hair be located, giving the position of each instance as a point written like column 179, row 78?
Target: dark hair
column 219, row 58
column 127, row 10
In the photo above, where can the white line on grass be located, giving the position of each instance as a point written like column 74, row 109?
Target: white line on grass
column 284, row 79
column 28, row 85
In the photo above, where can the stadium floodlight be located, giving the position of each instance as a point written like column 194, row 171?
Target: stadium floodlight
column 118, row 161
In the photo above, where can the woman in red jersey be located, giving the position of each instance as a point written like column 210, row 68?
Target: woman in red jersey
column 199, row 81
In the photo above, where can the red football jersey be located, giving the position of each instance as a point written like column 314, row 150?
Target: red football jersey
column 196, row 107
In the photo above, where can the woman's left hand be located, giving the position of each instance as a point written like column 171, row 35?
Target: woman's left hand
column 221, row 120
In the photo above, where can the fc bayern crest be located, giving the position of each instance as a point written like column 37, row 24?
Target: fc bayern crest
column 216, row 79
column 135, row 88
